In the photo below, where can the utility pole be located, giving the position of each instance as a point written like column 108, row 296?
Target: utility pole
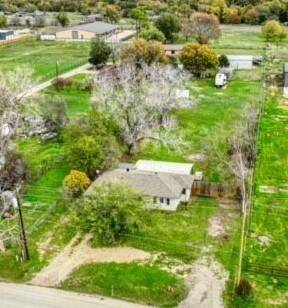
column 24, row 245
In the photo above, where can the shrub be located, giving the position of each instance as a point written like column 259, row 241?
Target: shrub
column 244, row 289
column 75, row 183
column 61, row 83
column 223, row 61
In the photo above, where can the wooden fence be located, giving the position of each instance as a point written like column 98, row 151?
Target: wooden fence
column 266, row 270
column 23, row 38
column 216, row 190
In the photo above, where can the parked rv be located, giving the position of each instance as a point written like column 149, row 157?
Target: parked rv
column 223, row 76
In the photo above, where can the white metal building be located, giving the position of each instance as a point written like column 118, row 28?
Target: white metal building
column 239, row 62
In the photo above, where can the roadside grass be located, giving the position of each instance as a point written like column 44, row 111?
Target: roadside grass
column 42, row 55
column 217, row 109
column 141, row 283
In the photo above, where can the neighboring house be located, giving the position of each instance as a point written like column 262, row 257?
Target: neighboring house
column 6, row 35
column 240, row 62
column 167, row 186
column 173, row 49
column 87, row 32
column 285, row 81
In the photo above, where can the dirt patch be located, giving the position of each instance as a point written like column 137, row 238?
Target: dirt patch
column 283, row 104
column 269, row 189
column 45, row 245
column 74, row 256
column 198, row 157
column 219, row 225
column 206, row 285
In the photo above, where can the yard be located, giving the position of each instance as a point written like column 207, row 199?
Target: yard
column 173, row 239
column 42, row 56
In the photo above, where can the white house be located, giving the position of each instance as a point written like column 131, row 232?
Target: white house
column 240, row 62
column 167, row 188
column 6, row 35
column 285, row 81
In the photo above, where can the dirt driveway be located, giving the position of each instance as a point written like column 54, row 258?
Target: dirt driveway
column 75, row 255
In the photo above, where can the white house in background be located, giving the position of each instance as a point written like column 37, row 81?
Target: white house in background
column 169, row 183
column 285, row 81
column 240, row 62
column 6, row 35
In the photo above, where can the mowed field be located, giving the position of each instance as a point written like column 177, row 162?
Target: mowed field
column 42, row 56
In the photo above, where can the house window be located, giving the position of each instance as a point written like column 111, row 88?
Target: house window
column 161, row 200
column 168, row 201
column 184, row 191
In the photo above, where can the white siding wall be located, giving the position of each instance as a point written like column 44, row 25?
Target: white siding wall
column 240, row 64
column 186, row 197
column 285, row 90
column 173, row 203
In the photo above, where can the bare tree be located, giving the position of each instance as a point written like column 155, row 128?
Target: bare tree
column 203, row 27
column 241, row 154
column 14, row 91
column 141, row 100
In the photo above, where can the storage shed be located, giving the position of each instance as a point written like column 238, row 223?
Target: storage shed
column 240, row 62
column 6, row 35
column 87, row 31
column 285, row 80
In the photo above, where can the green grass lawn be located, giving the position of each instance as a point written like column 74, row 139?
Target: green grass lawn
column 239, row 38
column 215, row 108
column 78, row 101
column 146, row 284
column 42, row 55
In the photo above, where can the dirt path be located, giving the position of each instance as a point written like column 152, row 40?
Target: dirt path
column 208, row 277
column 73, row 256
column 206, row 285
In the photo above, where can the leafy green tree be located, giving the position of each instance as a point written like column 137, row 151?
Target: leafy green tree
column 91, row 143
column 99, row 52
column 112, row 13
column 251, row 17
column 141, row 18
column 273, row 31
column 63, row 19
column 223, row 61
column 111, row 211
column 198, row 58
column 140, row 50
column 3, row 21
column 169, row 24
column 152, row 34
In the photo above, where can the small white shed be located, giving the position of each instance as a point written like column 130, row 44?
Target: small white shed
column 240, row 62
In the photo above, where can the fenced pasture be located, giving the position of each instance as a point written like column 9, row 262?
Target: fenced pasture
column 44, row 56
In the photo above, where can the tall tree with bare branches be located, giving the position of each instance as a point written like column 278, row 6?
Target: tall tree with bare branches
column 141, row 100
column 203, row 27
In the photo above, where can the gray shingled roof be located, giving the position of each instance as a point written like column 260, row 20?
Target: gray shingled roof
column 94, row 27
column 165, row 185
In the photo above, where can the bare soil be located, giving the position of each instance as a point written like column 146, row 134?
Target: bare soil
column 206, row 285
